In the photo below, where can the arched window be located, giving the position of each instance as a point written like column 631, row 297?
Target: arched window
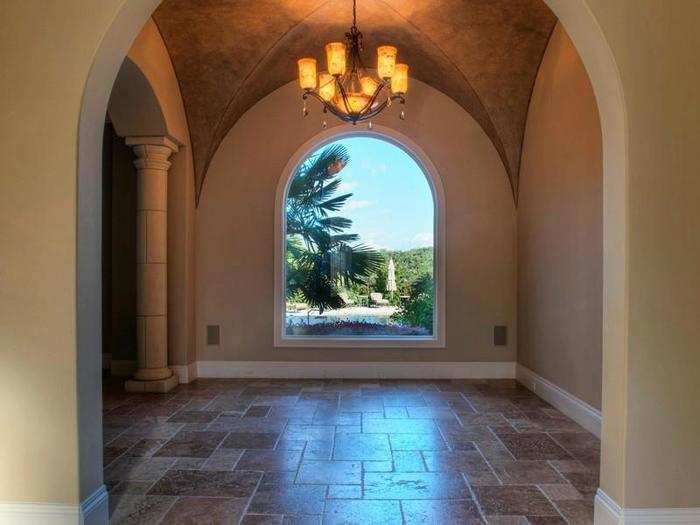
column 358, row 258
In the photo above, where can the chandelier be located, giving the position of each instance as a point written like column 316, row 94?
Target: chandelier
column 346, row 89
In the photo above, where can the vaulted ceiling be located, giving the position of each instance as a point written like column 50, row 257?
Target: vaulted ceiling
column 228, row 54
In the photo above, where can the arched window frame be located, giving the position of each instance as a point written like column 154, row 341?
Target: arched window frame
column 437, row 339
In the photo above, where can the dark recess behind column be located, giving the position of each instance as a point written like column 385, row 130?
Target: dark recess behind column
column 118, row 248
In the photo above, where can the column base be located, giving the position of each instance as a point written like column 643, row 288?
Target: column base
column 160, row 386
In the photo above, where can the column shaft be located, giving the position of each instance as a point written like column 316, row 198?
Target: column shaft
column 152, row 373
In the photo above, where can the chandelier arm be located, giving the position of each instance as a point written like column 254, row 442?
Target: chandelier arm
column 344, row 95
column 377, row 91
column 345, row 117
column 364, row 114
column 368, row 105
column 326, row 105
column 381, row 107
column 376, row 111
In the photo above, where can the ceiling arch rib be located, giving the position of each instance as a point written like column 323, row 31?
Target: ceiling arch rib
column 483, row 54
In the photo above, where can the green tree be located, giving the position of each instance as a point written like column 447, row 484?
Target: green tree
column 410, row 265
column 322, row 258
column 418, row 309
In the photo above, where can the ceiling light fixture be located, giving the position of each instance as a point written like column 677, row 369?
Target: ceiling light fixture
column 346, row 89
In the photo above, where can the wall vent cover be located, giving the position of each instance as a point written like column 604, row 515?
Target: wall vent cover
column 213, row 334
column 500, row 335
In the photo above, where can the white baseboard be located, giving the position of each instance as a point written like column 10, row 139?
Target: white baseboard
column 93, row 511
column 185, row 373
column 356, row 370
column 38, row 514
column 584, row 414
column 608, row 512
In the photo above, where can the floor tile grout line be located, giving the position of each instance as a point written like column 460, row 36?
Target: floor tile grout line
column 553, row 503
column 250, row 499
column 502, row 444
column 301, row 461
column 488, row 464
column 170, row 507
column 474, row 499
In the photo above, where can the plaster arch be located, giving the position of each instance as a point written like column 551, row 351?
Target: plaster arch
column 134, row 108
column 588, row 37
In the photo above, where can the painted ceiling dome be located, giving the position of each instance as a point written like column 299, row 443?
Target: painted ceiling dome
column 484, row 54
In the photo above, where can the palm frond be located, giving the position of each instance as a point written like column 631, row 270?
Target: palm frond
column 321, row 256
column 335, row 203
column 335, row 224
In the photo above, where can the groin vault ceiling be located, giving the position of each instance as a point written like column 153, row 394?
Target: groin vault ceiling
column 228, row 54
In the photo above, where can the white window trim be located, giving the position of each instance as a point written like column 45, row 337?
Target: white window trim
column 437, row 340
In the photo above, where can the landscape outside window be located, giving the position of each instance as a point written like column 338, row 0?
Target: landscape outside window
column 359, row 244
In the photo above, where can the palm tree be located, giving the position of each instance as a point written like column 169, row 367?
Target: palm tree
column 322, row 258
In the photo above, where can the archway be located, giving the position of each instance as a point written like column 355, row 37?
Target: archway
column 597, row 57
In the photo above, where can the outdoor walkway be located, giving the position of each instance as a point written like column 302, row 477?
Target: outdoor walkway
column 372, row 314
column 293, row 452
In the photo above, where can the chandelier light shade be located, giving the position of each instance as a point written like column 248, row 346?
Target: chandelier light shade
column 399, row 80
column 307, row 73
column 335, row 56
column 326, row 86
column 386, row 61
column 346, row 89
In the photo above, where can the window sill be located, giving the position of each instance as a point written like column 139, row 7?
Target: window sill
column 358, row 342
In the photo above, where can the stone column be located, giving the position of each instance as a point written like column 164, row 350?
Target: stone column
column 152, row 372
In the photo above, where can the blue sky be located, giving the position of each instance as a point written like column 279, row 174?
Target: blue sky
column 392, row 206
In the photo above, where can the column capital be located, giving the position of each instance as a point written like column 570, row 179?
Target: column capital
column 152, row 152
column 163, row 140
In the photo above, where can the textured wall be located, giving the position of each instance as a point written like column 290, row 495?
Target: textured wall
column 560, row 228
column 235, row 232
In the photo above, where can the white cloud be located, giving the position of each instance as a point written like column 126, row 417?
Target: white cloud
column 346, row 187
column 423, row 239
column 374, row 168
column 356, row 205
column 378, row 169
column 375, row 239
column 374, row 245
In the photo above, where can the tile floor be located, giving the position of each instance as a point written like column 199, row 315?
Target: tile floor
column 343, row 451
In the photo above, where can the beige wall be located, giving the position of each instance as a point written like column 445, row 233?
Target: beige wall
column 656, row 48
column 651, row 397
column 560, row 227
column 235, row 232
column 45, row 51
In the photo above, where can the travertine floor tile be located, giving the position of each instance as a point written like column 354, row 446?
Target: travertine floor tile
column 348, row 451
